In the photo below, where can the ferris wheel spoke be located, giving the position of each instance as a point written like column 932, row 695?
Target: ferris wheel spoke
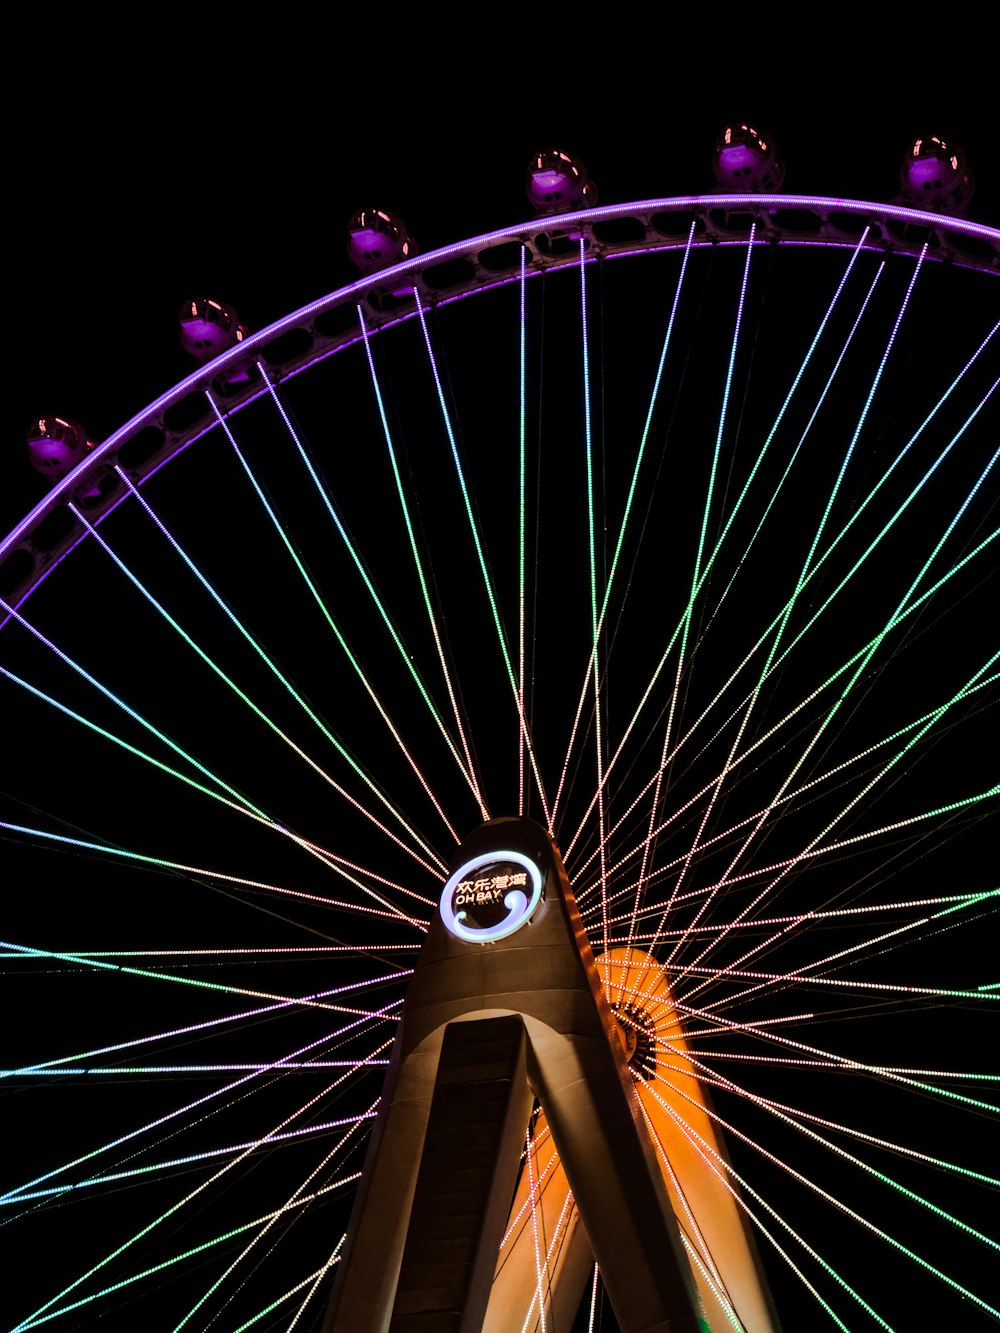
column 467, row 765
column 171, row 1164
column 328, row 617
column 929, row 922
column 879, row 940
column 558, row 1238
column 537, row 1232
column 727, row 526
column 859, row 911
column 300, row 1191
column 235, row 799
column 682, row 631
column 723, row 1171
column 794, row 1115
column 206, row 1026
column 522, row 537
column 36, row 1316
column 959, row 379
column 337, row 864
column 793, row 1120
column 524, row 730
column 777, row 871
column 595, row 618
column 780, row 416
column 843, row 1207
column 180, row 980
column 866, row 790
column 807, row 572
column 313, row 1281
column 754, row 696
column 698, row 1249
column 121, row 704
column 903, row 608
column 239, row 804
column 543, row 1178
column 767, row 980
column 718, row 931
column 317, row 1281
column 710, row 1075
column 235, row 1087
column 40, row 1317
column 730, row 973
column 863, row 416
column 752, row 699
column 906, row 606
column 539, row 1294
column 918, row 725
column 697, row 578
column 810, row 567
column 406, row 657
column 250, row 639
column 629, row 502
column 905, row 1078
column 245, row 698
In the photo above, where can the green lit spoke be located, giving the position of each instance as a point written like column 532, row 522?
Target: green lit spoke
column 469, row 768
column 406, row 657
column 491, row 596
column 190, row 1197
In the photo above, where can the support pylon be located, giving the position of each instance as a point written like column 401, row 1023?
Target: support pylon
column 507, row 955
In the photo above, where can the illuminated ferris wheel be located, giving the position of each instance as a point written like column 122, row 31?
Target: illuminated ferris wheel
column 563, row 663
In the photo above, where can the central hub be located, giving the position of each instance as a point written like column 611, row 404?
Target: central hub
column 637, row 1033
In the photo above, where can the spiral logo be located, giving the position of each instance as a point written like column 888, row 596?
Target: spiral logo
column 491, row 896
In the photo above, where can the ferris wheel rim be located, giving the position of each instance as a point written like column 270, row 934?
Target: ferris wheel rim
column 250, row 350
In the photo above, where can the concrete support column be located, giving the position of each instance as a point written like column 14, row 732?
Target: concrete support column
column 467, row 1175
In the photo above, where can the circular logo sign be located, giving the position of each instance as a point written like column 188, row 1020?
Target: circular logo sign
column 491, row 896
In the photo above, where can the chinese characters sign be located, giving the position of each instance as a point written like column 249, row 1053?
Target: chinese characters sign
column 491, row 896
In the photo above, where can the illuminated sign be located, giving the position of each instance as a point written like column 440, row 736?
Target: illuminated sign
column 491, row 896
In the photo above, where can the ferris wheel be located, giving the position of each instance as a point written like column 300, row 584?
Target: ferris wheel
column 666, row 528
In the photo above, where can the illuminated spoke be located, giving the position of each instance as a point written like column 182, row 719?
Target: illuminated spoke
column 481, row 559
column 238, row 803
column 383, row 613
column 164, row 1216
column 34, row 1321
column 724, row 1172
column 317, row 597
column 185, row 1110
column 249, row 638
column 467, row 767
column 633, row 485
column 291, row 1201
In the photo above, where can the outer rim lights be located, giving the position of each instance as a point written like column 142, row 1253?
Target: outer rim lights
column 520, row 905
